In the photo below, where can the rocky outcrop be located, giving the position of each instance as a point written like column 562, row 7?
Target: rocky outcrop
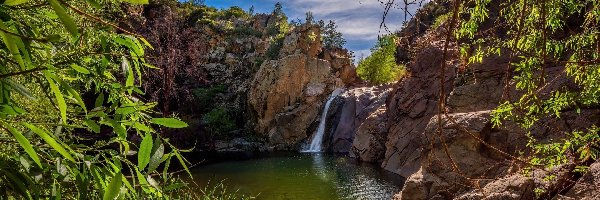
column 587, row 187
column 515, row 187
column 456, row 153
column 341, row 63
column 287, row 94
column 410, row 107
column 441, row 160
column 303, row 40
column 358, row 121
column 369, row 141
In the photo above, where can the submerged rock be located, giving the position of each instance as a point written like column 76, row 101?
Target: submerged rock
column 239, row 145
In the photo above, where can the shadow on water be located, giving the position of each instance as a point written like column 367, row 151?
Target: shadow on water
column 302, row 176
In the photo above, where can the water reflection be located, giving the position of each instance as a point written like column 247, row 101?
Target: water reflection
column 302, row 176
column 355, row 181
column 319, row 166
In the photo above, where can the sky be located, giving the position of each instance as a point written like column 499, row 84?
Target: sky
column 358, row 20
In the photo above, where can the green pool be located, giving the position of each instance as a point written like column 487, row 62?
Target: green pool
column 302, row 176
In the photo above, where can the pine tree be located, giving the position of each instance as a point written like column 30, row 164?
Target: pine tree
column 331, row 37
column 309, row 18
column 251, row 11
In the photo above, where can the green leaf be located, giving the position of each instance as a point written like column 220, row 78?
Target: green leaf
column 118, row 128
column 144, row 151
column 143, row 182
column 169, row 122
column 114, row 187
column 69, row 89
column 99, row 100
column 14, row 2
column 11, row 110
column 146, row 43
column 16, row 182
column 65, row 18
column 80, row 69
column 11, row 44
column 182, row 162
column 24, row 143
column 60, row 100
column 157, row 155
column 137, row 1
column 50, row 141
column 20, row 89
column 128, row 71
column 142, row 127
column 93, row 126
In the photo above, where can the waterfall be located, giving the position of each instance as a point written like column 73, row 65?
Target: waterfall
column 315, row 144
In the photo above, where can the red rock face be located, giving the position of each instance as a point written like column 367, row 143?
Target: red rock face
column 410, row 107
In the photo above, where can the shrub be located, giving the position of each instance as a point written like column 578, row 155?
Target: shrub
column 242, row 31
column 206, row 96
column 219, row 123
column 440, row 20
column 274, row 48
column 65, row 76
column 235, row 12
column 380, row 67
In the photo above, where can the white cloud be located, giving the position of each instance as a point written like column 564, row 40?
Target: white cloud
column 358, row 20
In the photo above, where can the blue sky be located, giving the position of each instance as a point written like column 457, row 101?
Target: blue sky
column 357, row 20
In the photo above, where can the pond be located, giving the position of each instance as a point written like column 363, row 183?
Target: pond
column 302, row 176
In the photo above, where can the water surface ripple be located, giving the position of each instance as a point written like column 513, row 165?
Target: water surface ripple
column 302, row 176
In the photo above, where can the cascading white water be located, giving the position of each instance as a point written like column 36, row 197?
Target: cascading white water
column 315, row 144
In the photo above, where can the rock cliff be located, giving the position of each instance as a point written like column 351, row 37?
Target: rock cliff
column 233, row 74
column 469, row 158
column 287, row 94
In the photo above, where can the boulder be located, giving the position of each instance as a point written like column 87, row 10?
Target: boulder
column 587, row 187
column 458, row 151
column 369, row 142
column 341, row 63
column 363, row 106
column 304, row 39
column 513, row 187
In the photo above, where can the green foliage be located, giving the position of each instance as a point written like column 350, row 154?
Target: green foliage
column 440, row 20
column 244, row 31
column 380, row 67
column 66, row 72
column 274, row 49
column 542, row 34
column 280, row 26
column 206, row 96
column 218, row 122
column 235, row 12
column 331, row 37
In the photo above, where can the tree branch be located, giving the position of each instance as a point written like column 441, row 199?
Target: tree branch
column 22, row 72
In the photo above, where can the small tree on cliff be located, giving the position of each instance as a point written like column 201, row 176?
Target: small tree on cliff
column 331, row 37
column 380, row 67
column 310, row 19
